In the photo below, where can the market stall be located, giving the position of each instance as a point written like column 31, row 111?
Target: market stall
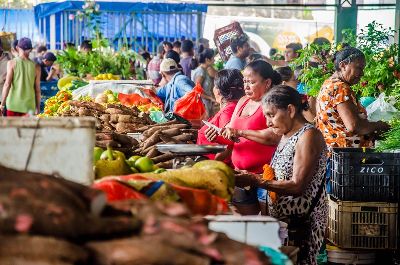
column 143, row 24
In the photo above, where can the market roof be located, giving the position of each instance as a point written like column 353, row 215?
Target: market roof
column 46, row 9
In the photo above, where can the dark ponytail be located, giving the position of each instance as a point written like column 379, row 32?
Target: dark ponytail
column 206, row 54
column 282, row 96
column 264, row 69
column 347, row 54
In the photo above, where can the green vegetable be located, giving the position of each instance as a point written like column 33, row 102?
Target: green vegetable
column 391, row 138
column 111, row 163
column 97, row 152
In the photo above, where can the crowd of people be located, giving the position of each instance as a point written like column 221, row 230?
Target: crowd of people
column 264, row 114
column 272, row 122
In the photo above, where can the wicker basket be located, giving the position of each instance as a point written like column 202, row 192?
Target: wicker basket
column 223, row 36
column 7, row 39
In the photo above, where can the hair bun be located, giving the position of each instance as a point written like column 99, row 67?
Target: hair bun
column 305, row 106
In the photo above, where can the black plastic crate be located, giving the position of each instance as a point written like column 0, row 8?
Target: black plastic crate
column 365, row 175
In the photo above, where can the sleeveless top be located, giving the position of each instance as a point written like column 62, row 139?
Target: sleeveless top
column 282, row 163
column 21, row 97
column 247, row 154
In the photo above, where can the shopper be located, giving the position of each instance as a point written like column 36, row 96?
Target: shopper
column 21, row 91
column 4, row 58
column 48, row 70
column 167, row 46
column 187, row 57
column 177, row 84
column 240, row 51
column 292, row 52
column 171, row 54
column 299, row 169
column 228, row 89
column 257, row 142
column 340, row 116
column 86, row 46
column 289, row 79
column 176, row 46
column 153, row 68
column 201, row 75
column 40, row 52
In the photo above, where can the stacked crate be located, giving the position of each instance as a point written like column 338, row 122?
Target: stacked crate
column 363, row 206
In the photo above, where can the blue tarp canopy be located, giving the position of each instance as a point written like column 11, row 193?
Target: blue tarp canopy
column 143, row 24
column 47, row 9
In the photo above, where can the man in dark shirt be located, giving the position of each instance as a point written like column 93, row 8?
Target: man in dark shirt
column 46, row 66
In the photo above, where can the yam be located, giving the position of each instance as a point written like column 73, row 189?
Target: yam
column 152, row 140
column 125, row 141
column 172, row 132
column 163, row 158
column 183, row 137
column 125, row 118
column 114, row 111
column 105, row 117
column 167, row 139
column 84, row 112
column 167, row 164
column 122, row 127
column 152, row 153
column 106, row 143
column 114, row 118
column 103, row 136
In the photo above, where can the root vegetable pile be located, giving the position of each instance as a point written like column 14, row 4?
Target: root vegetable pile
column 48, row 220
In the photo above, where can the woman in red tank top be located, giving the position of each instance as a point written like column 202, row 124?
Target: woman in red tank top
column 257, row 142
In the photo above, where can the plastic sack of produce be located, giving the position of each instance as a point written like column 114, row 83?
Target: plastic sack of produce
column 382, row 109
column 201, row 201
column 190, row 106
column 156, row 190
column 117, row 191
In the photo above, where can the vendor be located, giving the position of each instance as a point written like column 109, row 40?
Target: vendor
column 257, row 141
column 340, row 117
column 297, row 194
column 228, row 89
column 48, row 70
column 177, row 85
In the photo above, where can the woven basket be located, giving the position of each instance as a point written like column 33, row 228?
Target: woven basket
column 223, row 36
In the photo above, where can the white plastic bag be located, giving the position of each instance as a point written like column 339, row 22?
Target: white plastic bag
column 382, row 109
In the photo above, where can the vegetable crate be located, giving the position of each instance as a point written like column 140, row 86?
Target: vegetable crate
column 222, row 39
column 364, row 175
column 48, row 90
column 362, row 225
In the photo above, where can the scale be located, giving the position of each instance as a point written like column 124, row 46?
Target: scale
column 189, row 154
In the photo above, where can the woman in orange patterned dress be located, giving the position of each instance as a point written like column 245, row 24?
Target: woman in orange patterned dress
column 340, row 117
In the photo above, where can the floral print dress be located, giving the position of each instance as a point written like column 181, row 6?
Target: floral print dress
column 334, row 92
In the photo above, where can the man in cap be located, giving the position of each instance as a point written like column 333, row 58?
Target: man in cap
column 21, row 91
column 4, row 58
column 47, row 70
column 177, row 85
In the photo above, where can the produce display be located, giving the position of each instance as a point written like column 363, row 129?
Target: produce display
column 171, row 132
column 110, row 117
column 391, row 139
column 74, row 221
column 107, row 77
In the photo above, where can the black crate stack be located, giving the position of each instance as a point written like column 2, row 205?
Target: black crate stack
column 363, row 206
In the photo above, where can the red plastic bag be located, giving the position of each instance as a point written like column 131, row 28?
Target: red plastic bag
column 190, row 105
column 117, row 191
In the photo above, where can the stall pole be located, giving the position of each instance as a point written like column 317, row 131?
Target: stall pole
column 345, row 17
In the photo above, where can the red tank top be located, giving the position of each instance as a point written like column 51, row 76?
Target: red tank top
column 247, row 154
